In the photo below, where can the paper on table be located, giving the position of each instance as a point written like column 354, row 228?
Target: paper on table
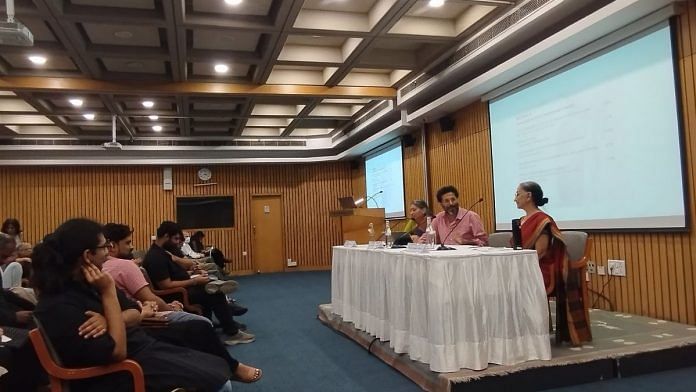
column 5, row 339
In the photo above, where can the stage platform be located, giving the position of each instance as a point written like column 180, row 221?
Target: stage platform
column 624, row 345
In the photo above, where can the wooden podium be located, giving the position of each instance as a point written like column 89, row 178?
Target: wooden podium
column 356, row 221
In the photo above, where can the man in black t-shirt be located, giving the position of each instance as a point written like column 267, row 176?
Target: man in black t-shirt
column 166, row 274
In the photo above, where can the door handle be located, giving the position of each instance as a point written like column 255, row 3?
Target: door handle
column 253, row 230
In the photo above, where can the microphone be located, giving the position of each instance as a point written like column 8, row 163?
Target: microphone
column 367, row 199
column 442, row 245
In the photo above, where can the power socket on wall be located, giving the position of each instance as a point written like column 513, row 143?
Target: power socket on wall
column 591, row 267
column 617, row 267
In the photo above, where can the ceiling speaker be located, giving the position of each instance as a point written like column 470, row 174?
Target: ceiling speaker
column 408, row 140
column 447, row 124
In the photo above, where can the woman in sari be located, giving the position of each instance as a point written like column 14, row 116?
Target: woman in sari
column 539, row 232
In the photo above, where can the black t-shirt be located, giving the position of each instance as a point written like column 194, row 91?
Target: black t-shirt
column 159, row 266
column 62, row 314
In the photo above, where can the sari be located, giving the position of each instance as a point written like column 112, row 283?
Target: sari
column 562, row 278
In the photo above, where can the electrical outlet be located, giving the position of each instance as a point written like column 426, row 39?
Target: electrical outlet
column 617, row 267
column 601, row 270
column 292, row 263
column 244, row 253
column 591, row 267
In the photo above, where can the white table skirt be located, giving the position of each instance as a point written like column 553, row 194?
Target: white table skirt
column 452, row 309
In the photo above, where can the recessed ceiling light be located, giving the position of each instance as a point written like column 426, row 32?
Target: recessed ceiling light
column 38, row 60
column 123, row 34
column 153, row 117
column 436, row 3
column 221, row 68
column 156, row 128
column 233, row 2
column 88, row 116
column 77, row 102
column 148, row 104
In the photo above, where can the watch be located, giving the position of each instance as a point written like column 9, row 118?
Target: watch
column 204, row 174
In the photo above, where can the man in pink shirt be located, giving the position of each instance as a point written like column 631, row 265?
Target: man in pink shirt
column 455, row 225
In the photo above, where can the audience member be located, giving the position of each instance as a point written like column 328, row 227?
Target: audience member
column 197, row 245
column 165, row 274
column 12, row 228
column 82, row 314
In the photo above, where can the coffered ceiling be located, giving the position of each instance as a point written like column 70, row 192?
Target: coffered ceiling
column 253, row 78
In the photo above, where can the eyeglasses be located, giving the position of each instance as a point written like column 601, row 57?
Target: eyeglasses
column 107, row 245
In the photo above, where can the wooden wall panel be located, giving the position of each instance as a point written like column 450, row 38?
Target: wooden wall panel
column 462, row 158
column 43, row 197
column 414, row 183
column 661, row 267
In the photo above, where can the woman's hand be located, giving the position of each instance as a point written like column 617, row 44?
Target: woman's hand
column 148, row 309
column 94, row 327
column 97, row 278
column 177, row 306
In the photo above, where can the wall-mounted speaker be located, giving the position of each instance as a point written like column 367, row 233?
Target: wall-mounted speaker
column 408, row 140
column 447, row 124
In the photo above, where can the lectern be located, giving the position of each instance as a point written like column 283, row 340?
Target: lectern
column 356, row 221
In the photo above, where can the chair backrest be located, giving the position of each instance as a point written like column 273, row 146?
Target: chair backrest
column 500, row 240
column 576, row 242
column 146, row 276
column 45, row 341
column 139, row 254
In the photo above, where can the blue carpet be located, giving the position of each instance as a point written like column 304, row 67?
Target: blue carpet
column 296, row 351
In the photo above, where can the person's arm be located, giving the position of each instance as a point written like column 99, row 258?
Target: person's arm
column 112, row 309
column 170, row 284
column 480, row 237
column 145, row 294
column 186, row 264
column 131, row 317
column 542, row 245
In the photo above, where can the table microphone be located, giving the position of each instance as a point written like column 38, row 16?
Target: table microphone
column 442, row 245
column 367, row 199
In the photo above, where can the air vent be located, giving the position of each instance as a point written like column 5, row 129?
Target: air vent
column 164, row 143
column 481, row 39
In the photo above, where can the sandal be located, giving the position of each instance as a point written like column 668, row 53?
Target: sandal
column 254, row 378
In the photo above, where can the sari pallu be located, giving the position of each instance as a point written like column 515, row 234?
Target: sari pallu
column 562, row 279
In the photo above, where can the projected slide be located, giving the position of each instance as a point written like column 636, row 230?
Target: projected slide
column 384, row 172
column 601, row 138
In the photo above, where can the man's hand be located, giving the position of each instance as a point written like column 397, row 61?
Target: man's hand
column 177, row 306
column 24, row 316
column 147, row 309
column 94, row 327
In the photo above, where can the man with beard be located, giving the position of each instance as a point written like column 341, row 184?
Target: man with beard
column 456, row 225
column 166, row 274
column 129, row 279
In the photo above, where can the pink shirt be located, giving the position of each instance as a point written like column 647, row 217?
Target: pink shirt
column 469, row 232
column 126, row 275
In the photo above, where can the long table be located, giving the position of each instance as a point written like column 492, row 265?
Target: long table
column 463, row 308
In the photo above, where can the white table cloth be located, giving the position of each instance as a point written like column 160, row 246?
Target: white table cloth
column 456, row 309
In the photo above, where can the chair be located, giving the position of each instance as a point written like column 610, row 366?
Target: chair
column 188, row 306
column 59, row 375
column 500, row 240
column 579, row 247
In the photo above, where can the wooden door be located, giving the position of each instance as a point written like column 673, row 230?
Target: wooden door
column 267, row 228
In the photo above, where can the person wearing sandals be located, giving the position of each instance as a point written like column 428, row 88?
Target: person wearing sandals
column 80, row 312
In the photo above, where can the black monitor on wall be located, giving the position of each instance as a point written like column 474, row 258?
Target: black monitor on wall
column 205, row 212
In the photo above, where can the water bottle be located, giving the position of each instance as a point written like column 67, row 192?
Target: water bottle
column 371, row 233
column 387, row 234
column 430, row 234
